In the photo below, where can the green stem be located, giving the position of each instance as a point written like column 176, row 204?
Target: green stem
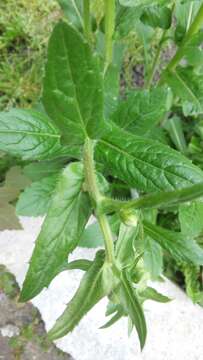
column 155, row 200
column 87, row 20
column 110, row 9
column 194, row 28
column 155, row 62
column 157, row 55
column 96, row 196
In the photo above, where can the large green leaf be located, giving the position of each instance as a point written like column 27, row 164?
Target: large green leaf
column 29, row 134
column 35, row 200
column 145, row 164
column 73, row 85
column 142, row 110
column 133, row 308
column 181, row 248
column 39, row 170
column 61, row 231
column 88, row 294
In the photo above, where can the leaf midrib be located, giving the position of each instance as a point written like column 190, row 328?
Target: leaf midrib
column 133, row 157
column 25, row 132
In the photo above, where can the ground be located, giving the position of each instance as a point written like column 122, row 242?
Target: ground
column 22, row 333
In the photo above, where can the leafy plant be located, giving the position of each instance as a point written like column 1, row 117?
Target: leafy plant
column 104, row 155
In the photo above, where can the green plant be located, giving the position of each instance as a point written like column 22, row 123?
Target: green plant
column 118, row 166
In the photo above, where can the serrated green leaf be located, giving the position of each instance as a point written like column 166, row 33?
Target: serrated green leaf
column 190, row 217
column 145, row 164
column 178, row 245
column 88, row 294
column 28, row 134
column 65, row 221
column 35, row 200
column 73, row 86
column 142, row 110
column 133, row 308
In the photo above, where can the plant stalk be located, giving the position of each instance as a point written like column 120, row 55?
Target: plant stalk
column 87, row 20
column 157, row 55
column 96, row 196
column 110, row 9
column 168, row 198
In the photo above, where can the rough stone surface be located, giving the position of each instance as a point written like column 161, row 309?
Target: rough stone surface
column 174, row 329
column 22, row 333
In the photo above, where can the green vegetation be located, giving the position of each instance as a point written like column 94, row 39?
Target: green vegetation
column 124, row 159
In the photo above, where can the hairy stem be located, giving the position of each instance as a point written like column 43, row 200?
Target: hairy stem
column 110, row 8
column 96, row 196
column 87, row 20
column 194, row 28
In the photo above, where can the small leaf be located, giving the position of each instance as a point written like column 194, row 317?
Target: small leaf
column 157, row 16
column 133, row 308
column 88, row 294
column 145, row 164
column 36, row 199
column 73, row 86
column 81, row 264
column 113, row 320
column 179, row 246
column 65, row 221
column 151, row 294
column 28, row 134
column 8, row 218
